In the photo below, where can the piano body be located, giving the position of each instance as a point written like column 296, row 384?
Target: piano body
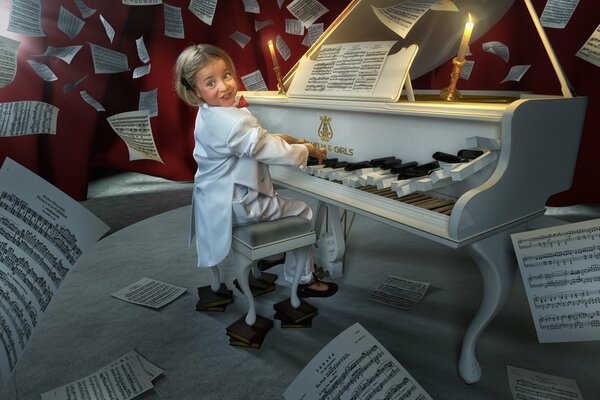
column 530, row 143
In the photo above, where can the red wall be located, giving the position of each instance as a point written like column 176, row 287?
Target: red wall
column 85, row 140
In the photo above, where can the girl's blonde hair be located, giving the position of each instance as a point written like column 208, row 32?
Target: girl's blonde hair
column 191, row 60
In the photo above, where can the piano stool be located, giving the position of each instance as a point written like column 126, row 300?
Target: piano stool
column 256, row 241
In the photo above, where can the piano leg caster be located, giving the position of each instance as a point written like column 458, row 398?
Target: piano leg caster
column 496, row 262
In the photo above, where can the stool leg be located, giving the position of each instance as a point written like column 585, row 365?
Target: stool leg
column 300, row 256
column 241, row 271
column 255, row 271
column 216, row 282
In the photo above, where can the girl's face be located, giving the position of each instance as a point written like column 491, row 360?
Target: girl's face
column 216, row 84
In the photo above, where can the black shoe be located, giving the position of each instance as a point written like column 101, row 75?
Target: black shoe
column 264, row 265
column 304, row 291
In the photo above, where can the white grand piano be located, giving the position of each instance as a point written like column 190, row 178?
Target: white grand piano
column 530, row 145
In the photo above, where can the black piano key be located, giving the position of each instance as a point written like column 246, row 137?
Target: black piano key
column 447, row 158
column 469, row 154
column 330, row 161
column 340, row 164
column 376, row 162
column 391, row 164
column 403, row 167
column 358, row 165
column 312, row 161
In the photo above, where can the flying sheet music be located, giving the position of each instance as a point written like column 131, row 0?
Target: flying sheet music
column 251, row 6
column 148, row 101
column 84, row 9
column 254, row 81
column 240, row 38
column 8, row 60
column 258, row 25
column 27, row 117
column 400, row 18
column 467, row 68
column 110, row 31
column 314, row 32
column 204, row 10
column 142, row 70
column 560, row 267
column 516, row 73
column 26, row 18
column 307, row 11
column 497, row 48
column 71, row 85
column 294, row 27
column 142, row 50
column 354, row 365
column 557, row 13
column 135, row 130
column 43, row 232
column 43, row 71
column 173, row 22
column 66, row 53
column 69, row 23
column 141, row 2
column 91, row 101
column 590, row 51
column 150, row 293
column 530, row 385
column 282, row 48
column 107, row 61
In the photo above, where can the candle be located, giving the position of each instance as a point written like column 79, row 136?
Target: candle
column 272, row 50
column 464, row 43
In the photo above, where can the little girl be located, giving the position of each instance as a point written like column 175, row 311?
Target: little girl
column 232, row 185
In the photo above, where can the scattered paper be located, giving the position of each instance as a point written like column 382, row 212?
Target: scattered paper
column 400, row 18
column 354, row 365
column 294, row 27
column 91, row 101
column 240, row 38
column 258, row 25
column 66, row 53
column 43, row 232
column 70, row 86
column 84, row 9
column 279, row 3
column 124, row 379
column 173, row 22
column 400, row 292
column 204, row 10
column 8, row 60
column 141, row 71
column 110, row 32
column 148, row 101
column 444, row 5
column 107, row 61
column 530, row 385
column 557, row 13
column 26, row 18
column 516, row 73
column 150, row 293
column 43, row 71
column 314, row 32
column 465, row 72
column 69, row 23
column 497, row 48
column 251, row 6
column 141, row 50
column 135, row 130
column 561, row 274
column 282, row 48
column 141, row 2
column 590, row 51
column 254, row 81
column 307, row 11
column 27, row 117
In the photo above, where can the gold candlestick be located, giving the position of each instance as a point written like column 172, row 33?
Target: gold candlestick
column 451, row 93
column 280, row 86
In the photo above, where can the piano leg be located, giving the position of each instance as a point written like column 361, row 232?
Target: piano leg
column 331, row 245
column 495, row 259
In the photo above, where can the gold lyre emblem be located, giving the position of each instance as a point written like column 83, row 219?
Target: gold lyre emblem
column 325, row 132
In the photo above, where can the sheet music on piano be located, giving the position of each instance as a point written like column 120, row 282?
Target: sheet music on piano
column 560, row 267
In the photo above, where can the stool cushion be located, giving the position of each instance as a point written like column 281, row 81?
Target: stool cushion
column 262, row 233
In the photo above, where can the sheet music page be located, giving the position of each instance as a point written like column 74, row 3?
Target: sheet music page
column 204, row 10
column 141, row 2
column 148, row 101
column 282, row 48
column 560, row 267
column 66, row 53
column 150, row 293
column 173, row 22
column 142, row 50
column 110, row 31
column 354, row 365
column 84, row 9
column 516, row 73
column 43, row 232
column 107, row 61
column 69, row 23
column 590, row 51
column 254, row 81
column 258, row 25
column 135, row 130
column 91, row 101
column 43, row 71
column 400, row 292
column 497, row 48
column 251, row 6
column 294, row 27
column 400, row 18
column 530, row 385
column 557, row 13
column 240, row 38
column 142, row 70
column 26, row 18
column 8, row 60
column 27, row 117
column 348, row 67
column 307, row 11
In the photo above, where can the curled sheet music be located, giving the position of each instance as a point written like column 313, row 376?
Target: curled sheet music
column 560, row 267
column 354, row 365
column 26, row 17
column 307, row 11
column 254, row 81
column 204, row 10
column 8, row 60
column 135, row 130
column 27, row 117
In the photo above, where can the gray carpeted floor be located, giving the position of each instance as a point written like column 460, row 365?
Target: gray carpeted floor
column 84, row 328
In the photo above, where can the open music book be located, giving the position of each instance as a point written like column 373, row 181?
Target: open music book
column 356, row 71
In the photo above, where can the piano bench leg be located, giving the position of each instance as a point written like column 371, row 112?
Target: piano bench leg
column 496, row 262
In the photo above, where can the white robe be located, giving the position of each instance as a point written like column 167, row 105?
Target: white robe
column 233, row 185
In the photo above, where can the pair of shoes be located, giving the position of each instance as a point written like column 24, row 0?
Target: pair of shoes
column 264, row 265
column 304, row 291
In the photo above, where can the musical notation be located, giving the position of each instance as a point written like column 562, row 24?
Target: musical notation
column 576, row 320
column 562, row 258
column 562, row 278
column 560, row 238
column 573, row 298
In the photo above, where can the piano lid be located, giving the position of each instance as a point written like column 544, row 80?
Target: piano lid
column 437, row 33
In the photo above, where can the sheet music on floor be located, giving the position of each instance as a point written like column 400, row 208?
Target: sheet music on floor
column 531, row 385
column 150, row 293
column 126, row 378
column 400, row 292
column 560, row 267
column 354, row 365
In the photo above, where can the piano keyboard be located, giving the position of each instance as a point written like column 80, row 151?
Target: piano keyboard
column 417, row 199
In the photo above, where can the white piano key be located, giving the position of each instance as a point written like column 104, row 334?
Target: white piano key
column 467, row 169
column 395, row 185
column 339, row 175
column 365, row 177
column 439, row 174
column 322, row 172
column 427, row 184
column 387, row 182
column 373, row 179
column 485, row 142
column 312, row 169
column 327, row 174
column 352, row 181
